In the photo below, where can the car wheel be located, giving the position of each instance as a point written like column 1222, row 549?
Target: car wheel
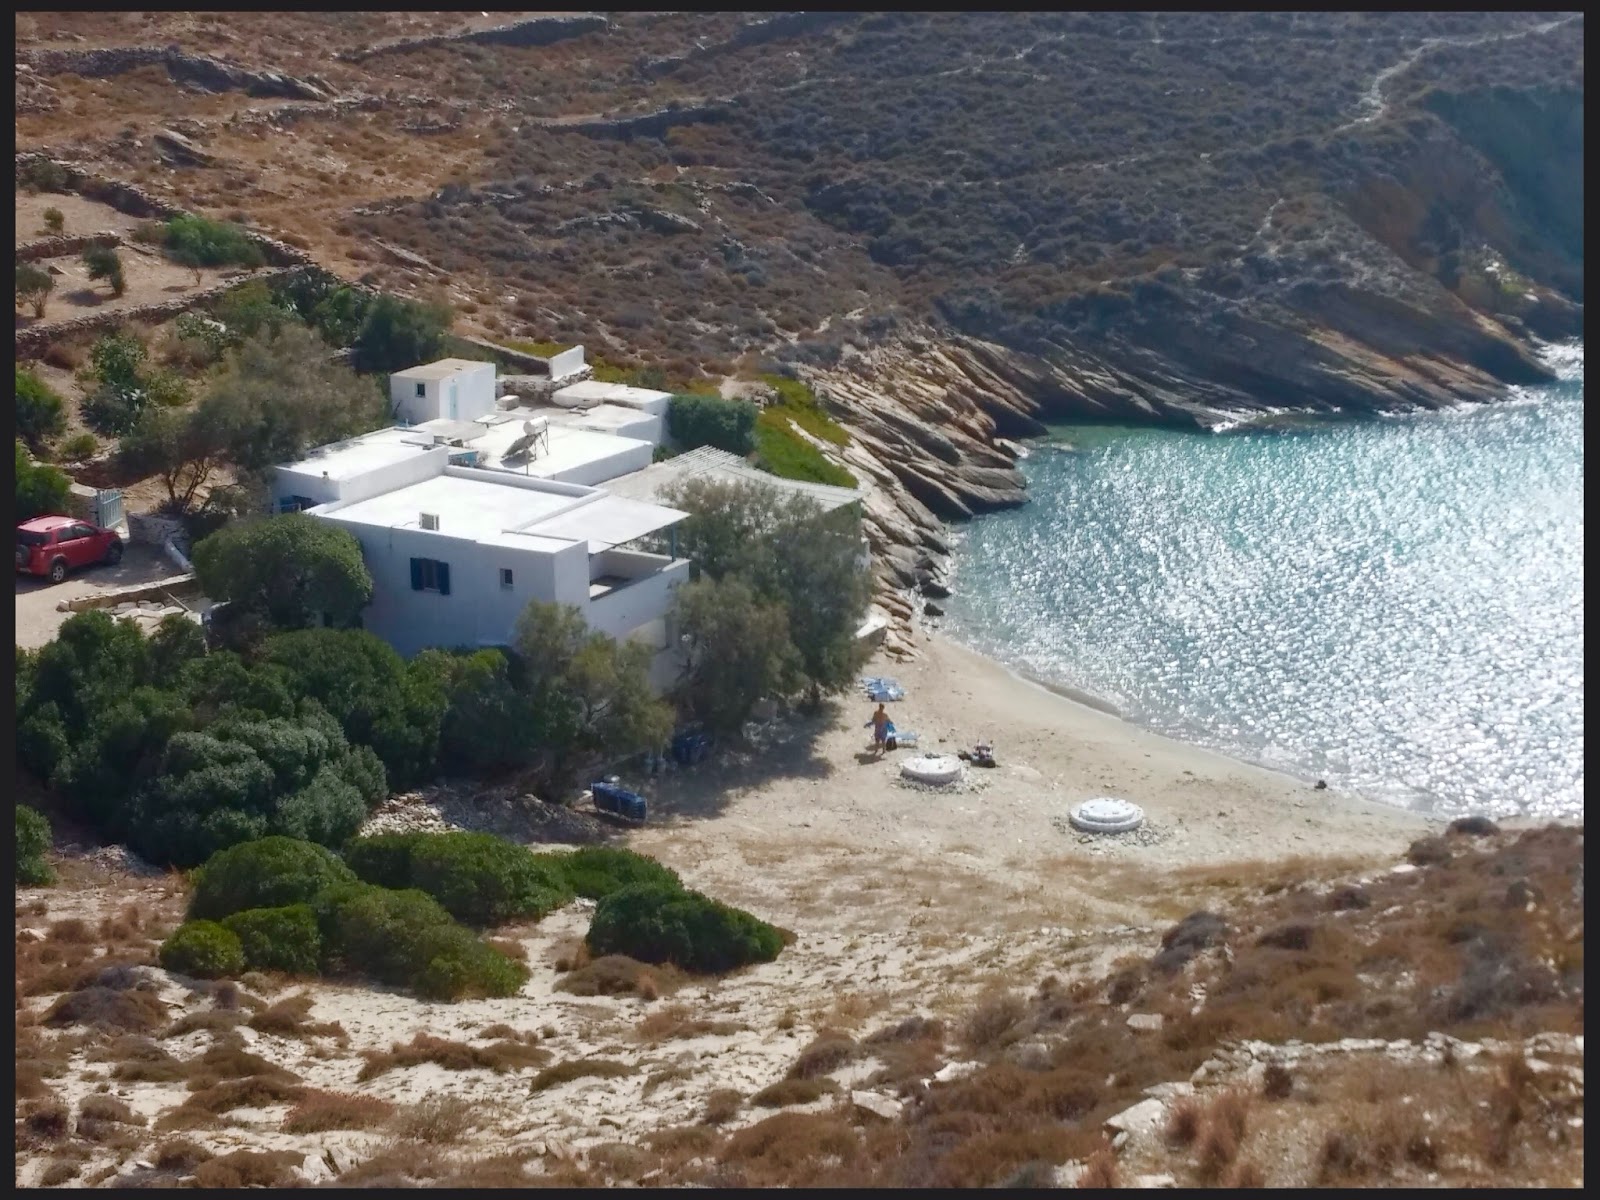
column 114, row 552
column 58, row 570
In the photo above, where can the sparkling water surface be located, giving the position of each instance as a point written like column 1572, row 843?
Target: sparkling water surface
column 1395, row 606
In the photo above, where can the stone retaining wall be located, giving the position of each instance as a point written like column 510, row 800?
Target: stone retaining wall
column 65, row 245
column 178, row 585
column 34, row 340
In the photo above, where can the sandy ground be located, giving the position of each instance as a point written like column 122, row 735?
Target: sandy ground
column 903, row 902
column 1202, row 808
column 37, row 616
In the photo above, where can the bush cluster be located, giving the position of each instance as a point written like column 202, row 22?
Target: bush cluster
column 41, row 488
column 204, row 950
column 595, row 872
column 478, row 878
column 39, row 412
column 282, row 905
column 33, row 839
column 270, row 873
column 278, row 939
column 660, row 923
column 712, row 421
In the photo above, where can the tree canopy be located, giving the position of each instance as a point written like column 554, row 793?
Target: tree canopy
column 788, row 553
column 40, row 487
column 280, row 393
column 288, row 568
column 40, row 414
column 34, row 285
column 396, row 334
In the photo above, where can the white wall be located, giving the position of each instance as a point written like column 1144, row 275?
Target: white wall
column 409, row 407
column 463, row 395
column 621, row 612
column 568, row 362
column 385, row 477
column 630, row 456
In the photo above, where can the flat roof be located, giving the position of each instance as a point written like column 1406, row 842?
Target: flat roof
column 607, row 522
column 457, row 431
column 709, row 463
column 601, row 416
column 569, row 446
column 475, row 509
column 617, row 393
column 443, row 368
column 359, row 455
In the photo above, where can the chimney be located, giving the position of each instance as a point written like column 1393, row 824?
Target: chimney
column 430, row 521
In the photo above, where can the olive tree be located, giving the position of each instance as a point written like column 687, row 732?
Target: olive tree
column 788, row 552
column 290, row 569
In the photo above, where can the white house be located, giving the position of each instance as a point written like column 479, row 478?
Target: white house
column 452, row 389
column 469, row 511
column 457, row 555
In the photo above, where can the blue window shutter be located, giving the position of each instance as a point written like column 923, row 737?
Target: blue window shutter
column 444, row 578
column 416, row 574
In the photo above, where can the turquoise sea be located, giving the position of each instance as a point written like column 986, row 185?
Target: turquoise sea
column 1393, row 605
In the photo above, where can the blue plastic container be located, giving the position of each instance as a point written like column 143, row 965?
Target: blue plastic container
column 610, row 798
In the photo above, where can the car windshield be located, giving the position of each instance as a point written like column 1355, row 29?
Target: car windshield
column 27, row 537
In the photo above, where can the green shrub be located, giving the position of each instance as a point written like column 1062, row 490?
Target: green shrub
column 477, row 877
column 797, row 402
column 658, row 923
column 270, row 873
column 33, row 839
column 712, row 421
column 34, row 285
column 79, row 447
column 594, row 872
column 196, row 242
column 203, row 950
column 54, row 220
column 783, row 452
column 40, row 487
column 406, row 939
column 278, row 939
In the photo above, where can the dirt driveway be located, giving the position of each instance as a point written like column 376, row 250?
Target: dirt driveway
column 37, row 618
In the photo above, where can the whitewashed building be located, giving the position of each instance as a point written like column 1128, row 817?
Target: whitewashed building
column 452, row 389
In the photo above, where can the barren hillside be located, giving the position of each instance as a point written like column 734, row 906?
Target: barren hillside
column 957, row 225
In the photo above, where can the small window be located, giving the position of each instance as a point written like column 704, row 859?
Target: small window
column 79, row 531
column 422, row 391
column 430, row 575
column 505, row 578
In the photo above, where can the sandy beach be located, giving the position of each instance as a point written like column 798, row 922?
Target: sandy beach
column 1008, row 823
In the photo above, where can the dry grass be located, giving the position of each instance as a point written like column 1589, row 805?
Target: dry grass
column 180, row 1154
column 994, row 1021
column 227, row 1060
column 787, row 1093
column 215, row 1020
column 678, row 1021
column 1184, row 1117
column 500, row 1057
column 59, row 1171
column 108, row 1108
column 1101, row 1170
column 827, row 1052
column 435, row 1120
column 291, row 1017
column 320, row 1111
column 579, row 1068
column 722, row 1106
column 254, row 1091
column 617, row 975
column 249, row 1168
column 124, row 1011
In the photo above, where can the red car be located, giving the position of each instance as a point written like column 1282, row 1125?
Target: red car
column 52, row 546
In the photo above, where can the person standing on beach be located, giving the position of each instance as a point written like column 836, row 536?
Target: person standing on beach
column 880, row 729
